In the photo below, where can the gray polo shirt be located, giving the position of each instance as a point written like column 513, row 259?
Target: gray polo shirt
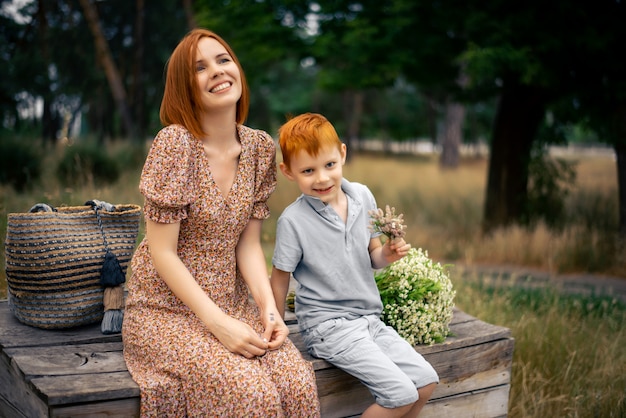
column 329, row 259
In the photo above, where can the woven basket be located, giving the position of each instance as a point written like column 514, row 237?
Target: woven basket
column 54, row 261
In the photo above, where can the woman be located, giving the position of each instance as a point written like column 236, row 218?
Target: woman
column 193, row 342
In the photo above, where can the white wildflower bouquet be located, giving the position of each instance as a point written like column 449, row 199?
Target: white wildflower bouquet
column 416, row 292
column 418, row 298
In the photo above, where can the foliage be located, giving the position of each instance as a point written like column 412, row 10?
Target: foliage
column 20, row 164
column 51, row 55
column 417, row 298
column 86, row 163
column 550, row 180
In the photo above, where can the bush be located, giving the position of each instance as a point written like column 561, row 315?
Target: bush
column 550, row 181
column 83, row 164
column 20, row 164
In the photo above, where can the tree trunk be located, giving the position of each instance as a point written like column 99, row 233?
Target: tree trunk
column 520, row 112
column 620, row 152
column 452, row 136
column 191, row 20
column 618, row 125
column 48, row 118
column 353, row 111
column 106, row 60
column 138, row 84
column 432, row 108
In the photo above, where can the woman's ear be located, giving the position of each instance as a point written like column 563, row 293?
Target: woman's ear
column 286, row 171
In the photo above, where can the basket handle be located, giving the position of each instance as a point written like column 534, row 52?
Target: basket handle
column 42, row 207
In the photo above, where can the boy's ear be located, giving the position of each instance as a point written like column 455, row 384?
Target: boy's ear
column 344, row 152
column 286, row 172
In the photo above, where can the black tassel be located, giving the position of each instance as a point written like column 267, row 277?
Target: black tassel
column 111, row 273
column 112, row 321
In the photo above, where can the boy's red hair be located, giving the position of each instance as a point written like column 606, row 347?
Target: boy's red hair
column 308, row 132
column 182, row 103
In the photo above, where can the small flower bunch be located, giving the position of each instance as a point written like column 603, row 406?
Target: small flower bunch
column 388, row 223
column 417, row 298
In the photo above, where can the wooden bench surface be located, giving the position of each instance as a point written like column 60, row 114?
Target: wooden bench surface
column 81, row 373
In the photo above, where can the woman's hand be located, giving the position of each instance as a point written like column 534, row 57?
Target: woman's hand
column 239, row 337
column 276, row 331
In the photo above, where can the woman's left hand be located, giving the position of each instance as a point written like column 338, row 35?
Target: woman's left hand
column 276, row 331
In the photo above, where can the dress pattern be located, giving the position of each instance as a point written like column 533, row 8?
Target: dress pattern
column 180, row 367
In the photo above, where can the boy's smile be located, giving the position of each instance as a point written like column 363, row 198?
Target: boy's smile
column 318, row 176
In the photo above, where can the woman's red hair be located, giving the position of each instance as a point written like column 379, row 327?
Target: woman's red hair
column 182, row 103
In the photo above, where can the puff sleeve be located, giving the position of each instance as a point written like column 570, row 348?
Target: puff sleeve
column 167, row 179
column 265, row 175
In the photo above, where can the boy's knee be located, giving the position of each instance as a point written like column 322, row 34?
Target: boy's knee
column 426, row 392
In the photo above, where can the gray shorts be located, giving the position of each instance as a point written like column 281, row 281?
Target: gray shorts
column 375, row 354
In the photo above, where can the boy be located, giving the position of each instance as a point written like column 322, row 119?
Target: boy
column 324, row 240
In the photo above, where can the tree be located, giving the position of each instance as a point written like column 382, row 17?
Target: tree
column 105, row 59
column 433, row 41
column 51, row 56
column 528, row 62
column 355, row 51
column 597, row 86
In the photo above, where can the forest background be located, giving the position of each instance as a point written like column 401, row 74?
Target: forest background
column 514, row 77
column 502, row 95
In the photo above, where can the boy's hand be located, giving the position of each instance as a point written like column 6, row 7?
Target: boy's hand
column 395, row 249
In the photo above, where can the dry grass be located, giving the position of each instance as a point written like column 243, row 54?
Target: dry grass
column 569, row 358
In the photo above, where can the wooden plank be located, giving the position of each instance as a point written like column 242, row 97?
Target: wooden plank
column 8, row 410
column 15, row 334
column 466, row 334
column 68, row 389
column 17, row 392
column 69, row 359
column 472, row 368
column 488, row 403
column 340, row 394
column 114, row 409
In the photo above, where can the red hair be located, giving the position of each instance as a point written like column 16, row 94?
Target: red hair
column 182, row 103
column 310, row 132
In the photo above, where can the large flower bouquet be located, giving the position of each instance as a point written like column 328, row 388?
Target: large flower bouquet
column 416, row 292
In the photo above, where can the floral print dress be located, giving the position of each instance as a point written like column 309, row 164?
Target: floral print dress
column 180, row 367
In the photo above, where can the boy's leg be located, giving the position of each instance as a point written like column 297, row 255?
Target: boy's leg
column 403, row 354
column 347, row 344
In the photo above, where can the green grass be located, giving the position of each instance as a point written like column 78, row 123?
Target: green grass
column 569, row 359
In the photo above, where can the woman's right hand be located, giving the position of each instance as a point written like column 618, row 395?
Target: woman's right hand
column 239, row 337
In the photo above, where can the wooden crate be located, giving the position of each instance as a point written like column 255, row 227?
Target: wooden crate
column 81, row 373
